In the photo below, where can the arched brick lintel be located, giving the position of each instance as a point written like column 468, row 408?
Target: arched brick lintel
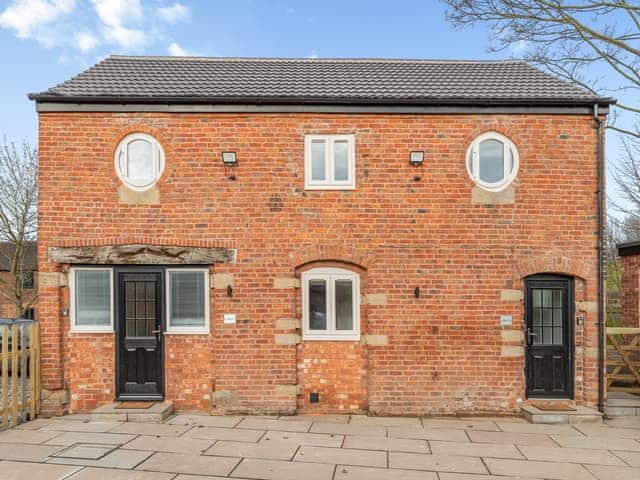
column 553, row 262
column 309, row 254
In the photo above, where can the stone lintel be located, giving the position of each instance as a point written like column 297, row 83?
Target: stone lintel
column 141, row 254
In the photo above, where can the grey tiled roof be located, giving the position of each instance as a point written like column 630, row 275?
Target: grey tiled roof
column 314, row 81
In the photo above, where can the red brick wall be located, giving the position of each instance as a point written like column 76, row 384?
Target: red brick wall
column 446, row 350
column 630, row 290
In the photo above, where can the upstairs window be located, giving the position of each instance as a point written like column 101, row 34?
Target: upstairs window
column 331, row 303
column 139, row 161
column 492, row 161
column 329, row 162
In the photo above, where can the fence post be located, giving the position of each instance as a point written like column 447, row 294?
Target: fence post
column 4, row 374
column 14, row 374
column 33, row 380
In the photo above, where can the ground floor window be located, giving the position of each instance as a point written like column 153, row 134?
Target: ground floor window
column 91, row 299
column 188, row 300
column 331, row 304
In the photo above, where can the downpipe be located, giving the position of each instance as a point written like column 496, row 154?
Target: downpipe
column 601, row 279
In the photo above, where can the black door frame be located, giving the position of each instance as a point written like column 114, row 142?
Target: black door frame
column 161, row 270
column 551, row 280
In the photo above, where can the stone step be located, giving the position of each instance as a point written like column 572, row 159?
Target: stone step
column 579, row 415
column 156, row 413
column 621, row 404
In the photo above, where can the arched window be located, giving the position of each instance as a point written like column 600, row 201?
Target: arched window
column 139, row 161
column 492, row 161
column 331, row 304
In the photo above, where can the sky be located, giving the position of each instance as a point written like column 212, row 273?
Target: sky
column 44, row 42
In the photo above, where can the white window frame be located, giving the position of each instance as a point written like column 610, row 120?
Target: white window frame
column 158, row 157
column 72, row 302
column 474, row 171
column 185, row 330
column 330, row 275
column 329, row 183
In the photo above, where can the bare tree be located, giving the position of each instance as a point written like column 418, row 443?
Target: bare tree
column 18, row 217
column 594, row 44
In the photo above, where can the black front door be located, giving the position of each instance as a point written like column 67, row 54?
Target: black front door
column 549, row 337
column 140, row 352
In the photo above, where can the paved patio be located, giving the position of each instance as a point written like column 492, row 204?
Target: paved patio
column 194, row 447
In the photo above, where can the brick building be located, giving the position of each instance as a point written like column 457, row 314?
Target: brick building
column 629, row 285
column 29, row 273
column 280, row 236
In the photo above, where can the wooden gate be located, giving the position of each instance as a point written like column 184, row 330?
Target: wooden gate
column 20, row 373
column 623, row 360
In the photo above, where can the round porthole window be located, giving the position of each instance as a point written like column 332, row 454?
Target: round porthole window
column 139, row 161
column 492, row 161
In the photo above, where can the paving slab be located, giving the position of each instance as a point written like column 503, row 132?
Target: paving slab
column 26, row 452
column 316, row 439
column 33, row 471
column 281, row 470
column 386, row 443
column 159, row 429
column 149, row 443
column 570, row 455
column 598, row 443
column 319, row 417
column 205, row 420
column 436, row 463
column 269, row 450
column 474, row 449
column 26, row 436
column 547, row 470
column 190, row 464
column 275, row 424
column 347, row 472
column 603, row 472
column 544, row 429
column 624, row 422
column 512, row 438
column 343, row 456
column 466, row 476
column 385, row 421
column 632, row 458
column 34, row 424
column 339, row 429
column 69, row 438
column 216, row 433
column 183, row 476
column 91, row 473
column 81, row 426
column 126, row 459
column 461, row 423
column 609, row 432
column 429, row 433
column 82, row 451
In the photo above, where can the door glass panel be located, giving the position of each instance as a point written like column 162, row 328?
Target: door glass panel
column 547, row 338
column 344, row 305
column 341, row 154
column 317, row 305
column 557, row 335
column 318, row 158
column 537, row 316
column 546, row 317
column 537, row 297
column 546, row 298
column 537, row 339
column 557, row 298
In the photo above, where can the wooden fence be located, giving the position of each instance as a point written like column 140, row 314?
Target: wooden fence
column 20, row 373
column 623, row 359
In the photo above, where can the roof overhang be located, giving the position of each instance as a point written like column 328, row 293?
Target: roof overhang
column 628, row 248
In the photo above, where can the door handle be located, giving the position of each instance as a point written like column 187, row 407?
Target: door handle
column 530, row 336
column 156, row 331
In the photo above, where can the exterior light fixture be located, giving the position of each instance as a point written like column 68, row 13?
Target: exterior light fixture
column 416, row 158
column 229, row 159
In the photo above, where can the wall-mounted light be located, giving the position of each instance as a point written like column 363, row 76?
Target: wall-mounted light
column 416, row 158
column 416, row 292
column 229, row 159
column 229, row 291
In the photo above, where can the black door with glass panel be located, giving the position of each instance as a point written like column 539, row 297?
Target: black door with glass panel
column 549, row 337
column 140, row 318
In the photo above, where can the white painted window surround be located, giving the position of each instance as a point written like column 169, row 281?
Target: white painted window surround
column 188, row 298
column 139, row 161
column 91, row 299
column 492, row 161
column 329, row 162
column 331, row 304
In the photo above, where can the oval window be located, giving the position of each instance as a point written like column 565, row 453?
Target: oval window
column 139, row 161
column 492, row 161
